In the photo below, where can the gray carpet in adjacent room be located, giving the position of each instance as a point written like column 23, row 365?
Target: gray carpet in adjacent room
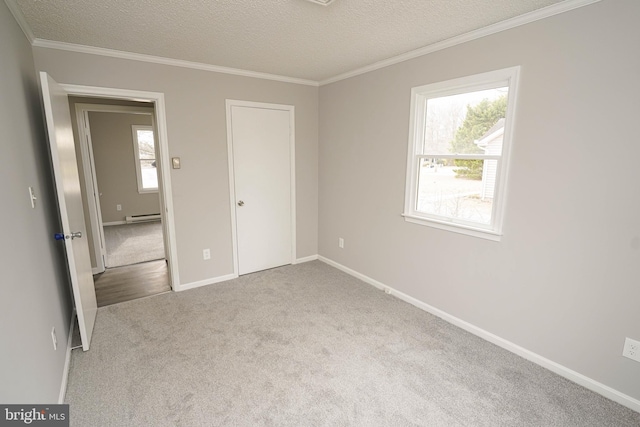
column 133, row 243
column 308, row 345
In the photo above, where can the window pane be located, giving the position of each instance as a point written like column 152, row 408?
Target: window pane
column 458, row 144
column 146, row 146
column 149, row 174
column 467, row 123
column 442, row 192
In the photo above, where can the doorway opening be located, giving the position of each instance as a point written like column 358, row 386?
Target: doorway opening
column 63, row 145
column 119, row 158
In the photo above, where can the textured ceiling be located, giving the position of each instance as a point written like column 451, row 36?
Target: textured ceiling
column 293, row 38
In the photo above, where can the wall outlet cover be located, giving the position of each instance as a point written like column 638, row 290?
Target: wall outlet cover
column 631, row 349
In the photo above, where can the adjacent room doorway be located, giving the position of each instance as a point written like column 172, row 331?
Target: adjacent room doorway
column 119, row 152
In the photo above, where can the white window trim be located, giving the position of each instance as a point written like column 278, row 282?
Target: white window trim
column 419, row 95
column 136, row 153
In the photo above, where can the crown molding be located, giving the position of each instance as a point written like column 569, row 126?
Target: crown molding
column 19, row 17
column 527, row 18
column 71, row 47
column 322, row 2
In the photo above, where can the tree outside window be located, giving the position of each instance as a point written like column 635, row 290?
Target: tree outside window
column 456, row 170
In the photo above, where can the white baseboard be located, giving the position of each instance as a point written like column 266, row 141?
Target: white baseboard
column 305, row 259
column 67, row 360
column 106, row 224
column 561, row 370
column 192, row 285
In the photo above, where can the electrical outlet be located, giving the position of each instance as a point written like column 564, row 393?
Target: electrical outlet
column 340, row 242
column 631, row 349
column 118, row 207
column 54, row 338
column 206, row 254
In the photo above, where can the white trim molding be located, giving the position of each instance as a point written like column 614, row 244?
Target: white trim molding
column 71, row 47
column 19, row 17
column 554, row 367
column 164, row 169
column 527, row 18
column 108, row 224
column 67, row 359
column 206, row 282
column 219, row 279
column 305, row 259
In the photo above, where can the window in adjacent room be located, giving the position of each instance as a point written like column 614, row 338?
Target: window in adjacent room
column 145, row 153
column 459, row 138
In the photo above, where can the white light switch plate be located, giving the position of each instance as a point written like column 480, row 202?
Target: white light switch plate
column 33, row 197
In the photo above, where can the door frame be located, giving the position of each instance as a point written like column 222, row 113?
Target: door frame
column 164, row 181
column 82, row 111
column 292, row 160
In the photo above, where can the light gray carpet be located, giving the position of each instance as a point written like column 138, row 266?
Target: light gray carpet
column 308, row 345
column 133, row 243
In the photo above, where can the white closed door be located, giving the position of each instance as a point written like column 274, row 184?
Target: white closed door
column 65, row 171
column 262, row 146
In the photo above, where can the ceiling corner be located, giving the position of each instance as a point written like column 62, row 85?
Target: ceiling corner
column 19, row 17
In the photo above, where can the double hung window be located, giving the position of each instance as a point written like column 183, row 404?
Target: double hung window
column 144, row 148
column 459, row 139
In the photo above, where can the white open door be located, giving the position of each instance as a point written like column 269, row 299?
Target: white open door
column 65, row 170
column 261, row 137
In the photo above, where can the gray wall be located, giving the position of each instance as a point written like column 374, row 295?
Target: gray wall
column 112, row 141
column 34, row 291
column 563, row 282
column 196, row 124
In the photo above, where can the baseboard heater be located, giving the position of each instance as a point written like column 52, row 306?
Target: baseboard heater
column 142, row 218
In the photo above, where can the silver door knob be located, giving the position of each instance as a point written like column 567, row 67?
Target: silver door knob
column 240, row 203
column 77, row 234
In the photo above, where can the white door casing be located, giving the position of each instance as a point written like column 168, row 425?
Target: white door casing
column 262, row 177
column 164, row 170
column 67, row 181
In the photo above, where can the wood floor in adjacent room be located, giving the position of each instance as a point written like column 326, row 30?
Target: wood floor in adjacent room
column 131, row 282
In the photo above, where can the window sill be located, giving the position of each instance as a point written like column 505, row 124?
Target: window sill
column 455, row 228
column 154, row 190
